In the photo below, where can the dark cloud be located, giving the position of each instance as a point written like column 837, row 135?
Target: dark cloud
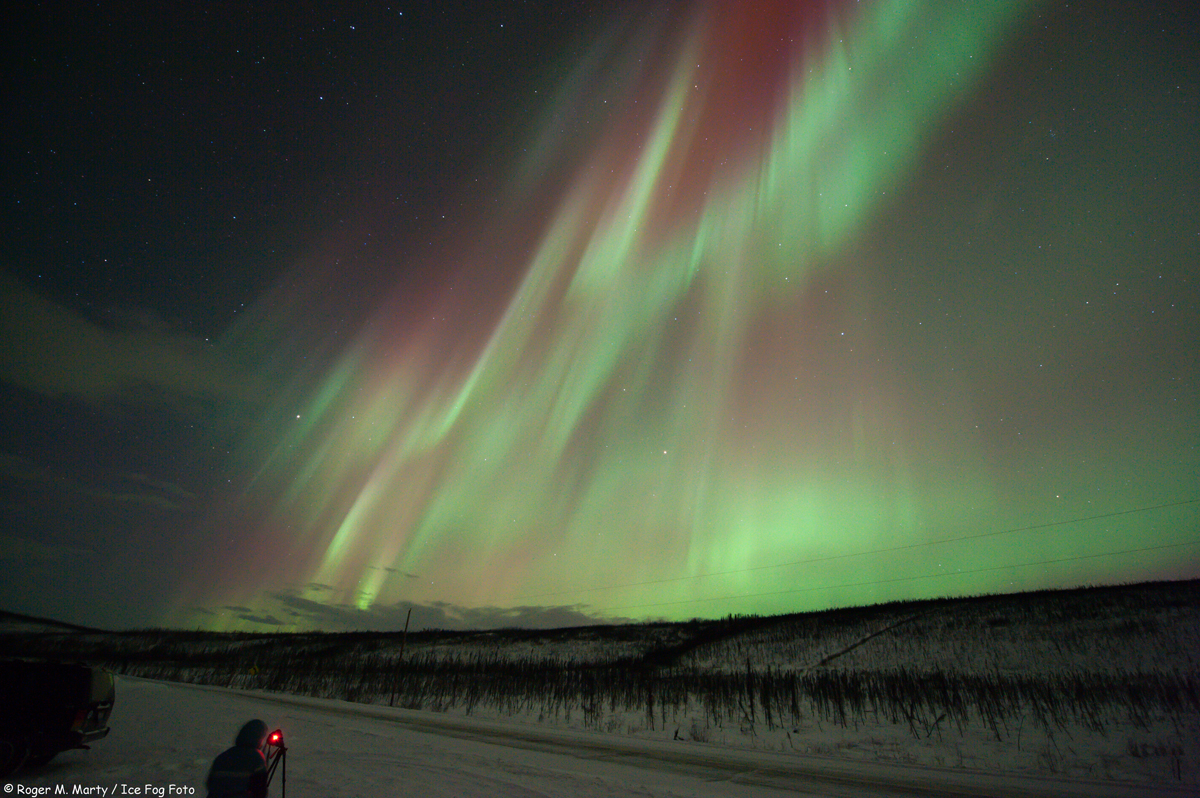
column 436, row 615
column 157, row 494
column 24, row 552
column 313, row 610
column 530, row 617
column 54, row 351
column 268, row 620
column 397, row 571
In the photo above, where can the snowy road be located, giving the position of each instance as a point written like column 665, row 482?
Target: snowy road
column 165, row 735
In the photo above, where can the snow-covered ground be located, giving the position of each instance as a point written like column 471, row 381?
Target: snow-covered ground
column 165, row 735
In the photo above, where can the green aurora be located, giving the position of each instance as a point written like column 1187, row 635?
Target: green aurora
column 749, row 364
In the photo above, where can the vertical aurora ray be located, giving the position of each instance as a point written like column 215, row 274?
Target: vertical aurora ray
column 685, row 381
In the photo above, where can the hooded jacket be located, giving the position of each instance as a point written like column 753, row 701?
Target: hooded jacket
column 241, row 771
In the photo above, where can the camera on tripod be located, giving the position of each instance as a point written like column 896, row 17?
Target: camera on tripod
column 274, row 757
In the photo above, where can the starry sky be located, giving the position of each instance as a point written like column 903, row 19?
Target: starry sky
column 554, row 313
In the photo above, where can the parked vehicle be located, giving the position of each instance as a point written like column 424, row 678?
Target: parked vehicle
column 48, row 707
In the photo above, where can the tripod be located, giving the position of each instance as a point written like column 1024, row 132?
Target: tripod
column 275, row 740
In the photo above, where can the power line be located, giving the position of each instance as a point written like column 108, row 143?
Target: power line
column 907, row 578
column 890, row 550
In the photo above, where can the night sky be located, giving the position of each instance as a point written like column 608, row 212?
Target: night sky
column 553, row 313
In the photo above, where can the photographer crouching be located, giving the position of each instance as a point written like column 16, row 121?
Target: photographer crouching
column 247, row 768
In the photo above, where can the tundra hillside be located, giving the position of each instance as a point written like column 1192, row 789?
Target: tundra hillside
column 1102, row 682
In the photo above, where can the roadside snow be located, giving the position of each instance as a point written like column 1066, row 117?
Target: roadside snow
column 165, row 735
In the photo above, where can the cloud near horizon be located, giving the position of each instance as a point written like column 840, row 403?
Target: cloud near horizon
column 290, row 611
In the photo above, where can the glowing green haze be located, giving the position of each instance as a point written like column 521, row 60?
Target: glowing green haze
column 689, row 386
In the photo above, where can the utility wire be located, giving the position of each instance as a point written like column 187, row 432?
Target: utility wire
column 890, row 550
column 905, row 578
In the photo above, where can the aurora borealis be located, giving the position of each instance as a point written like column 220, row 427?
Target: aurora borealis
column 749, row 308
